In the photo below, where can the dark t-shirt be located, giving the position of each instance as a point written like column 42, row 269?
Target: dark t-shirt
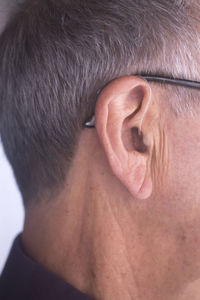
column 24, row 279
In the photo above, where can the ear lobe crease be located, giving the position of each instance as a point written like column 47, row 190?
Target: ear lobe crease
column 146, row 188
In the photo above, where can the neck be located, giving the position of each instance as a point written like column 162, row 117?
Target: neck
column 105, row 245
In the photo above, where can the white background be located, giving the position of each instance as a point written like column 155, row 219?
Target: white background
column 11, row 210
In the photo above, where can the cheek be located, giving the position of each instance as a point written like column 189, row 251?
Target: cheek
column 189, row 250
column 184, row 165
column 184, row 173
column 181, row 199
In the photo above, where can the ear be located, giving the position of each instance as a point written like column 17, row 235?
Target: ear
column 120, row 116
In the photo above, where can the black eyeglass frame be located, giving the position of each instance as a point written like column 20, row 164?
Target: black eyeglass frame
column 151, row 78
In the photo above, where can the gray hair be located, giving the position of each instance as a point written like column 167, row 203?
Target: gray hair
column 55, row 55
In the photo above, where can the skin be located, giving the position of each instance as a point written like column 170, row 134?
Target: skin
column 126, row 225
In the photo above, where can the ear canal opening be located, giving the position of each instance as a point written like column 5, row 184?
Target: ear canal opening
column 138, row 143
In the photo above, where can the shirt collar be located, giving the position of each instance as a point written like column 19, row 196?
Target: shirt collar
column 23, row 278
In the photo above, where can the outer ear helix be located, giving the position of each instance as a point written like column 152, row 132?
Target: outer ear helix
column 147, row 104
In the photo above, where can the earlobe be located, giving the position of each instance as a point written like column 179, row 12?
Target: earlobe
column 138, row 180
column 121, row 107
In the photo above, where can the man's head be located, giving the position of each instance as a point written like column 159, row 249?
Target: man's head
column 55, row 55
column 139, row 168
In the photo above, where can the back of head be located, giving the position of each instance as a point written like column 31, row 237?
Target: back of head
column 55, row 55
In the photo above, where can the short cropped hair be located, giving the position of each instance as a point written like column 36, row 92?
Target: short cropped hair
column 56, row 54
